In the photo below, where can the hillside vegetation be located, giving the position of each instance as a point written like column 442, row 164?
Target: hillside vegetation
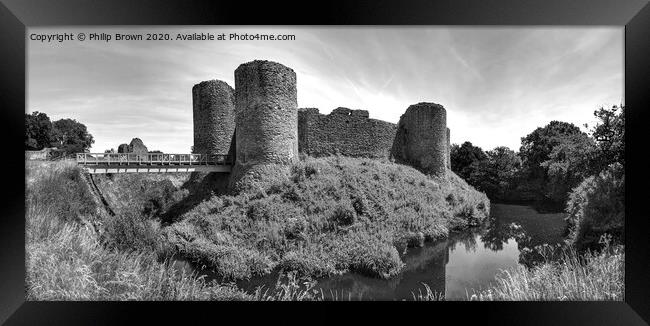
column 114, row 235
column 329, row 215
column 75, row 250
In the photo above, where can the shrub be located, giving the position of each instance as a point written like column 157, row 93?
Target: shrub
column 130, row 231
column 343, row 215
column 596, row 207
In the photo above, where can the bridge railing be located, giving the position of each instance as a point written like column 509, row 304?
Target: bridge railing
column 152, row 159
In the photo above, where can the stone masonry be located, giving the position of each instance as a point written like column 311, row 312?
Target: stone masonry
column 266, row 114
column 345, row 132
column 259, row 122
column 448, row 149
column 214, row 117
column 421, row 139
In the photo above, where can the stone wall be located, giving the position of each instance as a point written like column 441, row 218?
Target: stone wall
column 123, row 148
column 448, row 149
column 421, row 139
column 137, row 146
column 344, row 131
column 266, row 113
column 214, row 117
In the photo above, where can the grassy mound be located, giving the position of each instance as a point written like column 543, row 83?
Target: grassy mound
column 329, row 215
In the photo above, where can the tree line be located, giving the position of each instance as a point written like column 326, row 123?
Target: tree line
column 558, row 167
column 67, row 135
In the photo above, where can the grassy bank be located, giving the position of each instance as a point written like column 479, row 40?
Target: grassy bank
column 75, row 251
column 328, row 216
column 589, row 276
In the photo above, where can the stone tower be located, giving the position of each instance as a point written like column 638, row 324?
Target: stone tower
column 421, row 139
column 448, row 149
column 266, row 114
column 214, row 117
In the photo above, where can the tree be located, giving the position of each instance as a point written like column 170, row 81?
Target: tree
column 609, row 133
column 38, row 131
column 72, row 136
column 571, row 161
column 465, row 159
column 503, row 166
column 554, row 159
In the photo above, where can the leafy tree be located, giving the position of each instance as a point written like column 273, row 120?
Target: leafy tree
column 72, row 136
column 38, row 131
column 539, row 155
column 571, row 161
column 465, row 159
column 503, row 166
column 609, row 133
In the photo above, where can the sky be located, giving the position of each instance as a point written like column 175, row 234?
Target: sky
column 497, row 83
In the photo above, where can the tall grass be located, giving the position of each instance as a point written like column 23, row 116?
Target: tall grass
column 66, row 258
column 427, row 294
column 329, row 216
column 589, row 276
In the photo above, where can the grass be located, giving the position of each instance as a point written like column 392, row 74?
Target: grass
column 328, row 216
column 69, row 258
column 590, row 276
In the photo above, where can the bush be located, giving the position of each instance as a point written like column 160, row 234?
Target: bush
column 130, row 231
column 596, row 207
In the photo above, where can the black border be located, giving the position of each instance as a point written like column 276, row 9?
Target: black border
column 15, row 15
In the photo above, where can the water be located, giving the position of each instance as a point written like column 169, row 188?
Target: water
column 455, row 266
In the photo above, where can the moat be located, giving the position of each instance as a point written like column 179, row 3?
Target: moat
column 454, row 266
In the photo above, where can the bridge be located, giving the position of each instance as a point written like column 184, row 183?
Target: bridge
column 97, row 163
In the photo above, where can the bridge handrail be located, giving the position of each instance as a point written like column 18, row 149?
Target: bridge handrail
column 153, row 158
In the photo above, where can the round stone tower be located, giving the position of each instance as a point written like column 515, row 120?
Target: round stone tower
column 421, row 138
column 214, row 117
column 448, row 149
column 266, row 114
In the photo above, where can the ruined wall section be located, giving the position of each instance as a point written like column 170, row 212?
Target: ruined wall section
column 214, row 117
column 421, row 139
column 345, row 132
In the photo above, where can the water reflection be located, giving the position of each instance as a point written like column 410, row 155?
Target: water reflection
column 464, row 261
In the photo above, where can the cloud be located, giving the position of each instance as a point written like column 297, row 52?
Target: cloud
column 497, row 84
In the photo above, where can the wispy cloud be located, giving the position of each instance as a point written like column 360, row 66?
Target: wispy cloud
column 497, row 84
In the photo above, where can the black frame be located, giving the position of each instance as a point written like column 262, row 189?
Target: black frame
column 15, row 15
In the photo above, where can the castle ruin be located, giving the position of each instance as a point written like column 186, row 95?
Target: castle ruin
column 267, row 114
column 213, row 104
column 260, row 124
column 421, row 138
column 345, row 132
